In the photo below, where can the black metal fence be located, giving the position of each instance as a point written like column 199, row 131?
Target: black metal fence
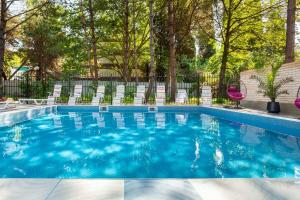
column 30, row 88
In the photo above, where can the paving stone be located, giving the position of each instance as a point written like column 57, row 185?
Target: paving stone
column 90, row 189
column 162, row 189
column 26, row 189
column 237, row 189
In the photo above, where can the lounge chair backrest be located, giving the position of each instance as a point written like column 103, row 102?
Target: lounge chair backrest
column 121, row 88
column 206, row 96
column 100, row 91
column 160, row 90
column 57, row 90
column 181, row 96
column 141, row 88
column 181, row 93
column 160, row 95
column 120, row 91
column 206, row 91
column 77, row 91
column 140, row 91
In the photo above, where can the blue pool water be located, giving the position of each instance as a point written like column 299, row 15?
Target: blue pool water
column 144, row 145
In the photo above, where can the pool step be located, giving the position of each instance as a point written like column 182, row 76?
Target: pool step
column 152, row 109
column 103, row 109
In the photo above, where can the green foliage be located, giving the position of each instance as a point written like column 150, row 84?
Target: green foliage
column 269, row 86
column 57, row 40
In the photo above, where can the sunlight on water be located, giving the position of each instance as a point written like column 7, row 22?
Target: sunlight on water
column 144, row 145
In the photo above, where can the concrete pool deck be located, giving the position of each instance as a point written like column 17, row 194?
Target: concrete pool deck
column 149, row 189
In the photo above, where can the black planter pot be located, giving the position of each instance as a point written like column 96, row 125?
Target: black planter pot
column 273, row 107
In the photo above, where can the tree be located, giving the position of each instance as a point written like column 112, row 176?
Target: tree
column 126, row 39
column 290, row 32
column 86, row 36
column 172, row 50
column 94, row 40
column 152, row 61
column 125, row 46
column 3, row 22
column 238, row 29
column 5, row 18
column 43, row 41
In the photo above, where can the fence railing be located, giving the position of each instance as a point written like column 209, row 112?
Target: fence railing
column 29, row 88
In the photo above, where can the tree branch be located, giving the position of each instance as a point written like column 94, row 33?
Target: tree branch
column 27, row 11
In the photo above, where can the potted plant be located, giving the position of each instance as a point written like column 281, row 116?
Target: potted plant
column 270, row 87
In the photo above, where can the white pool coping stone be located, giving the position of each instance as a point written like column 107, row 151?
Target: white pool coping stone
column 153, row 189
column 13, row 117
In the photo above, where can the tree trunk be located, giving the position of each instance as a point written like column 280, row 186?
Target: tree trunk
column 152, row 64
column 223, row 68
column 2, row 40
column 172, row 50
column 87, row 40
column 135, row 66
column 126, row 40
column 290, row 32
column 94, row 40
column 225, row 55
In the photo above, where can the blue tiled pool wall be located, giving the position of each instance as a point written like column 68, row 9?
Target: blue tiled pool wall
column 15, row 117
column 275, row 124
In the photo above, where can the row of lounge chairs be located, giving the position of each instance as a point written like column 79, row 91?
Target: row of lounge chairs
column 118, row 99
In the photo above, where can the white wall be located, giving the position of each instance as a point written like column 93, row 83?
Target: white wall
column 287, row 70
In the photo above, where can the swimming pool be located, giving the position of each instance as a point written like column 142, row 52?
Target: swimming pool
column 133, row 143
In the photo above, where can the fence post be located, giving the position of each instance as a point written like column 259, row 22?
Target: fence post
column 69, row 86
column 111, row 90
column 198, row 89
column 44, row 87
column 27, row 85
column 2, row 87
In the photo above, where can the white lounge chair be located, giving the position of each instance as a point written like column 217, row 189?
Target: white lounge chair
column 139, row 98
column 99, row 96
column 160, row 98
column 118, row 99
column 9, row 103
column 52, row 98
column 206, row 96
column 76, row 95
column 181, row 96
